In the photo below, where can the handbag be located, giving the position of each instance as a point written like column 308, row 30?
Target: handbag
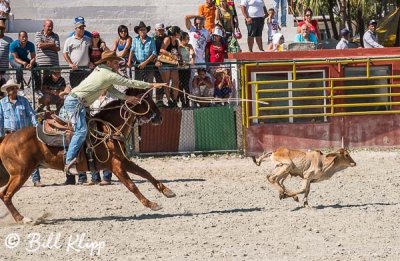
column 237, row 34
column 167, row 59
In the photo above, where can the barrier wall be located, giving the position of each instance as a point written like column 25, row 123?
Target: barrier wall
column 317, row 99
column 209, row 129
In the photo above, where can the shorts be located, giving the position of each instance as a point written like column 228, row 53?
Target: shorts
column 256, row 27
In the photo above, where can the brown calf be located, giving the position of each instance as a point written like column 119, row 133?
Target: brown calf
column 311, row 166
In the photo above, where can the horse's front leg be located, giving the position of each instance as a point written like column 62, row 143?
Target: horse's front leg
column 14, row 184
column 118, row 169
column 135, row 169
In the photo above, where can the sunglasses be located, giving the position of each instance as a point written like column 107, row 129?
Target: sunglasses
column 308, row 15
column 96, row 36
column 121, row 32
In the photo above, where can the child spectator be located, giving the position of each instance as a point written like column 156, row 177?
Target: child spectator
column 215, row 50
column 273, row 26
column 187, row 53
column 53, row 85
column 223, row 83
column 202, row 86
column 277, row 43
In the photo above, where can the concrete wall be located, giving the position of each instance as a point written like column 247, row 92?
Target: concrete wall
column 105, row 16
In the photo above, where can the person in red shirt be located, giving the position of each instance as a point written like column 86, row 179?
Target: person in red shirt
column 207, row 10
column 215, row 50
column 311, row 23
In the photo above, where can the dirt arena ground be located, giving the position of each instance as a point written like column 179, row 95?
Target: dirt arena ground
column 224, row 210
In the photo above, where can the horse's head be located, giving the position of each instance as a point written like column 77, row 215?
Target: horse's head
column 146, row 111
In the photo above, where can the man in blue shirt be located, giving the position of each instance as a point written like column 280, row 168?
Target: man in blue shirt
column 305, row 36
column 143, row 52
column 19, row 51
column 16, row 113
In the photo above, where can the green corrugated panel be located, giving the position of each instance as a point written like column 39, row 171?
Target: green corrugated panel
column 215, row 128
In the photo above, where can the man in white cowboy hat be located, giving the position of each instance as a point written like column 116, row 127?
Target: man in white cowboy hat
column 143, row 52
column 16, row 113
column 100, row 80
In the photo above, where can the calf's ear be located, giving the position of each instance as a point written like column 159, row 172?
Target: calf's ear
column 330, row 158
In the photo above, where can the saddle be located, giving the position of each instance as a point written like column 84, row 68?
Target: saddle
column 56, row 132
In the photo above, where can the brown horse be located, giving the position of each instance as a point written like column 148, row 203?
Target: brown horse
column 21, row 152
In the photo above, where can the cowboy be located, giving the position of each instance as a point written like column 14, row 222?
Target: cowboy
column 100, row 80
column 143, row 52
column 16, row 113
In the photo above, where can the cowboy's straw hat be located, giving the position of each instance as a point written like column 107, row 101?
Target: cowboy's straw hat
column 9, row 83
column 107, row 56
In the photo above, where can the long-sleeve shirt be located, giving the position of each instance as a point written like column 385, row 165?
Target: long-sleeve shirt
column 103, row 79
column 370, row 40
column 15, row 116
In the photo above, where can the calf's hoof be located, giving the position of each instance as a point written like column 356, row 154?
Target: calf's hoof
column 168, row 193
column 296, row 198
column 155, row 207
column 26, row 220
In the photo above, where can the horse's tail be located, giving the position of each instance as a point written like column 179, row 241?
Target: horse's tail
column 4, row 176
column 258, row 160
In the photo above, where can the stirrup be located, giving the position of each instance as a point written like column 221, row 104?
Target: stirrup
column 71, row 166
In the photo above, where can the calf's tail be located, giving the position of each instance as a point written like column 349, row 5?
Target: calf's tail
column 258, row 160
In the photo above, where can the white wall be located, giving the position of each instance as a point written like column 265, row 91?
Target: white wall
column 105, row 16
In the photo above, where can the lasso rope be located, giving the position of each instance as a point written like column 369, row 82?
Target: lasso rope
column 201, row 99
column 99, row 137
column 126, row 113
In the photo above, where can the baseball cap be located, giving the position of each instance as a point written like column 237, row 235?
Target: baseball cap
column 344, row 32
column 95, row 34
column 372, row 22
column 159, row 27
column 79, row 21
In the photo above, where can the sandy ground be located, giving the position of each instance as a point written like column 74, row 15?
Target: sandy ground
column 224, row 210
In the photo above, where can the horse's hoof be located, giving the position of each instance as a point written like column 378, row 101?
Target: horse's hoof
column 168, row 193
column 282, row 196
column 26, row 220
column 155, row 207
column 296, row 198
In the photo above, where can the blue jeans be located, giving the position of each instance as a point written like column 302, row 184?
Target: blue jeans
column 20, row 73
column 282, row 4
column 36, row 175
column 106, row 176
column 77, row 112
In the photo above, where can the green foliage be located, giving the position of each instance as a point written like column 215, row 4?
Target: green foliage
column 370, row 9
